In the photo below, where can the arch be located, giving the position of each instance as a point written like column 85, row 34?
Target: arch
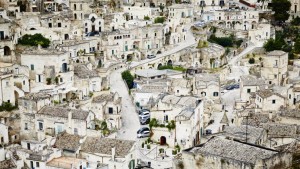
column 100, row 63
column 129, row 57
column 158, row 52
column 32, row 29
column 7, row 51
column 159, row 65
column 169, row 63
column 163, row 140
column 66, row 36
column 64, row 67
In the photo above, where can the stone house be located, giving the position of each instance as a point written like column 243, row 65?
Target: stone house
column 187, row 114
column 180, row 87
column 177, row 11
column 69, row 144
column 293, row 95
column 206, row 85
column 138, row 13
column 4, row 137
column 250, row 84
column 66, row 162
column 108, row 107
column 212, row 56
column 274, row 67
column 86, row 81
column 219, row 152
column 266, row 101
column 52, row 120
column 48, row 64
column 92, row 23
column 116, row 153
column 36, row 154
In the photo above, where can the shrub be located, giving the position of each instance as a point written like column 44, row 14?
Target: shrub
column 174, row 152
column 6, row 106
column 127, row 76
column 34, row 40
column 153, row 123
column 147, row 18
column 251, row 61
column 148, row 146
column 143, row 145
column 161, row 150
column 159, row 20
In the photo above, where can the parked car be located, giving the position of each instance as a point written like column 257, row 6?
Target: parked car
column 208, row 131
column 151, row 56
column 143, row 110
column 144, row 115
column 145, row 120
column 230, row 87
column 143, row 132
column 95, row 33
column 236, row 86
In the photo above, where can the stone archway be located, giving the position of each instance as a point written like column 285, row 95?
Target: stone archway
column 163, row 140
column 7, row 51
column 159, row 65
column 170, row 63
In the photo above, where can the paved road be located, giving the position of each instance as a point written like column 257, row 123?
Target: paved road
column 190, row 41
column 130, row 121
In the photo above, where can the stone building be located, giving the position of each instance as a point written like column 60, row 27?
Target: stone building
column 219, row 153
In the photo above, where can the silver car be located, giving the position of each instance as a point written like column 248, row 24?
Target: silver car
column 143, row 132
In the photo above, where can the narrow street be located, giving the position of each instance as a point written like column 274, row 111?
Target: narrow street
column 130, row 121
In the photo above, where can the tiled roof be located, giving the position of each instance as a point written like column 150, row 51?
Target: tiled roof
column 280, row 130
column 239, row 133
column 234, row 150
column 105, row 145
column 63, row 112
column 250, row 80
column 83, row 72
column 65, row 141
column 7, row 164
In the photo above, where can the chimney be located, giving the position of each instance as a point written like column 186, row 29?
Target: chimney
column 113, row 153
column 69, row 118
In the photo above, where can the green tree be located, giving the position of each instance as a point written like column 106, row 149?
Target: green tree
column 34, row 40
column 296, row 21
column 281, row 9
column 251, row 61
column 127, row 76
column 297, row 46
column 147, row 18
column 159, row 20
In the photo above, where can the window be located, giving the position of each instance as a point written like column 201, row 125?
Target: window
column 273, row 101
column 110, row 110
column 216, row 94
column 75, row 131
column 248, row 90
column 50, row 25
column 26, row 126
column 275, row 76
column 59, row 25
column 155, row 34
column 7, row 84
column 177, row 91
column 270, row 82
column 290, row 96
column 61, row 80
column 32, row 67
column 41, row 127
column 2, row 139
column 23, row 82
column 37, row 164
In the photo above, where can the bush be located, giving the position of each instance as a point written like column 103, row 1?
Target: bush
column 296, row 21
column 161, row 150
column 174, row 152
column 127, row 76
column 48, row 81
column 147, row 18
column 223, row 41
column 6, row 106
column 153, row 123
column 251, row 61
column 148, row 146
column 159, row 20
column 34, row 40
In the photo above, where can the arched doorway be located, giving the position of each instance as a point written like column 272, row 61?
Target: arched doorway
column 7, row 51
column 129, row 57
column 66, row 36
column 163, row 140
column 159, row 65
column 170, row 63
column 64, row 67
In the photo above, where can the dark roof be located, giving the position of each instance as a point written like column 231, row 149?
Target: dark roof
column 7, row 164
column 105, row 145
column 233, row 150
column 63, row 112
column 65, row 141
